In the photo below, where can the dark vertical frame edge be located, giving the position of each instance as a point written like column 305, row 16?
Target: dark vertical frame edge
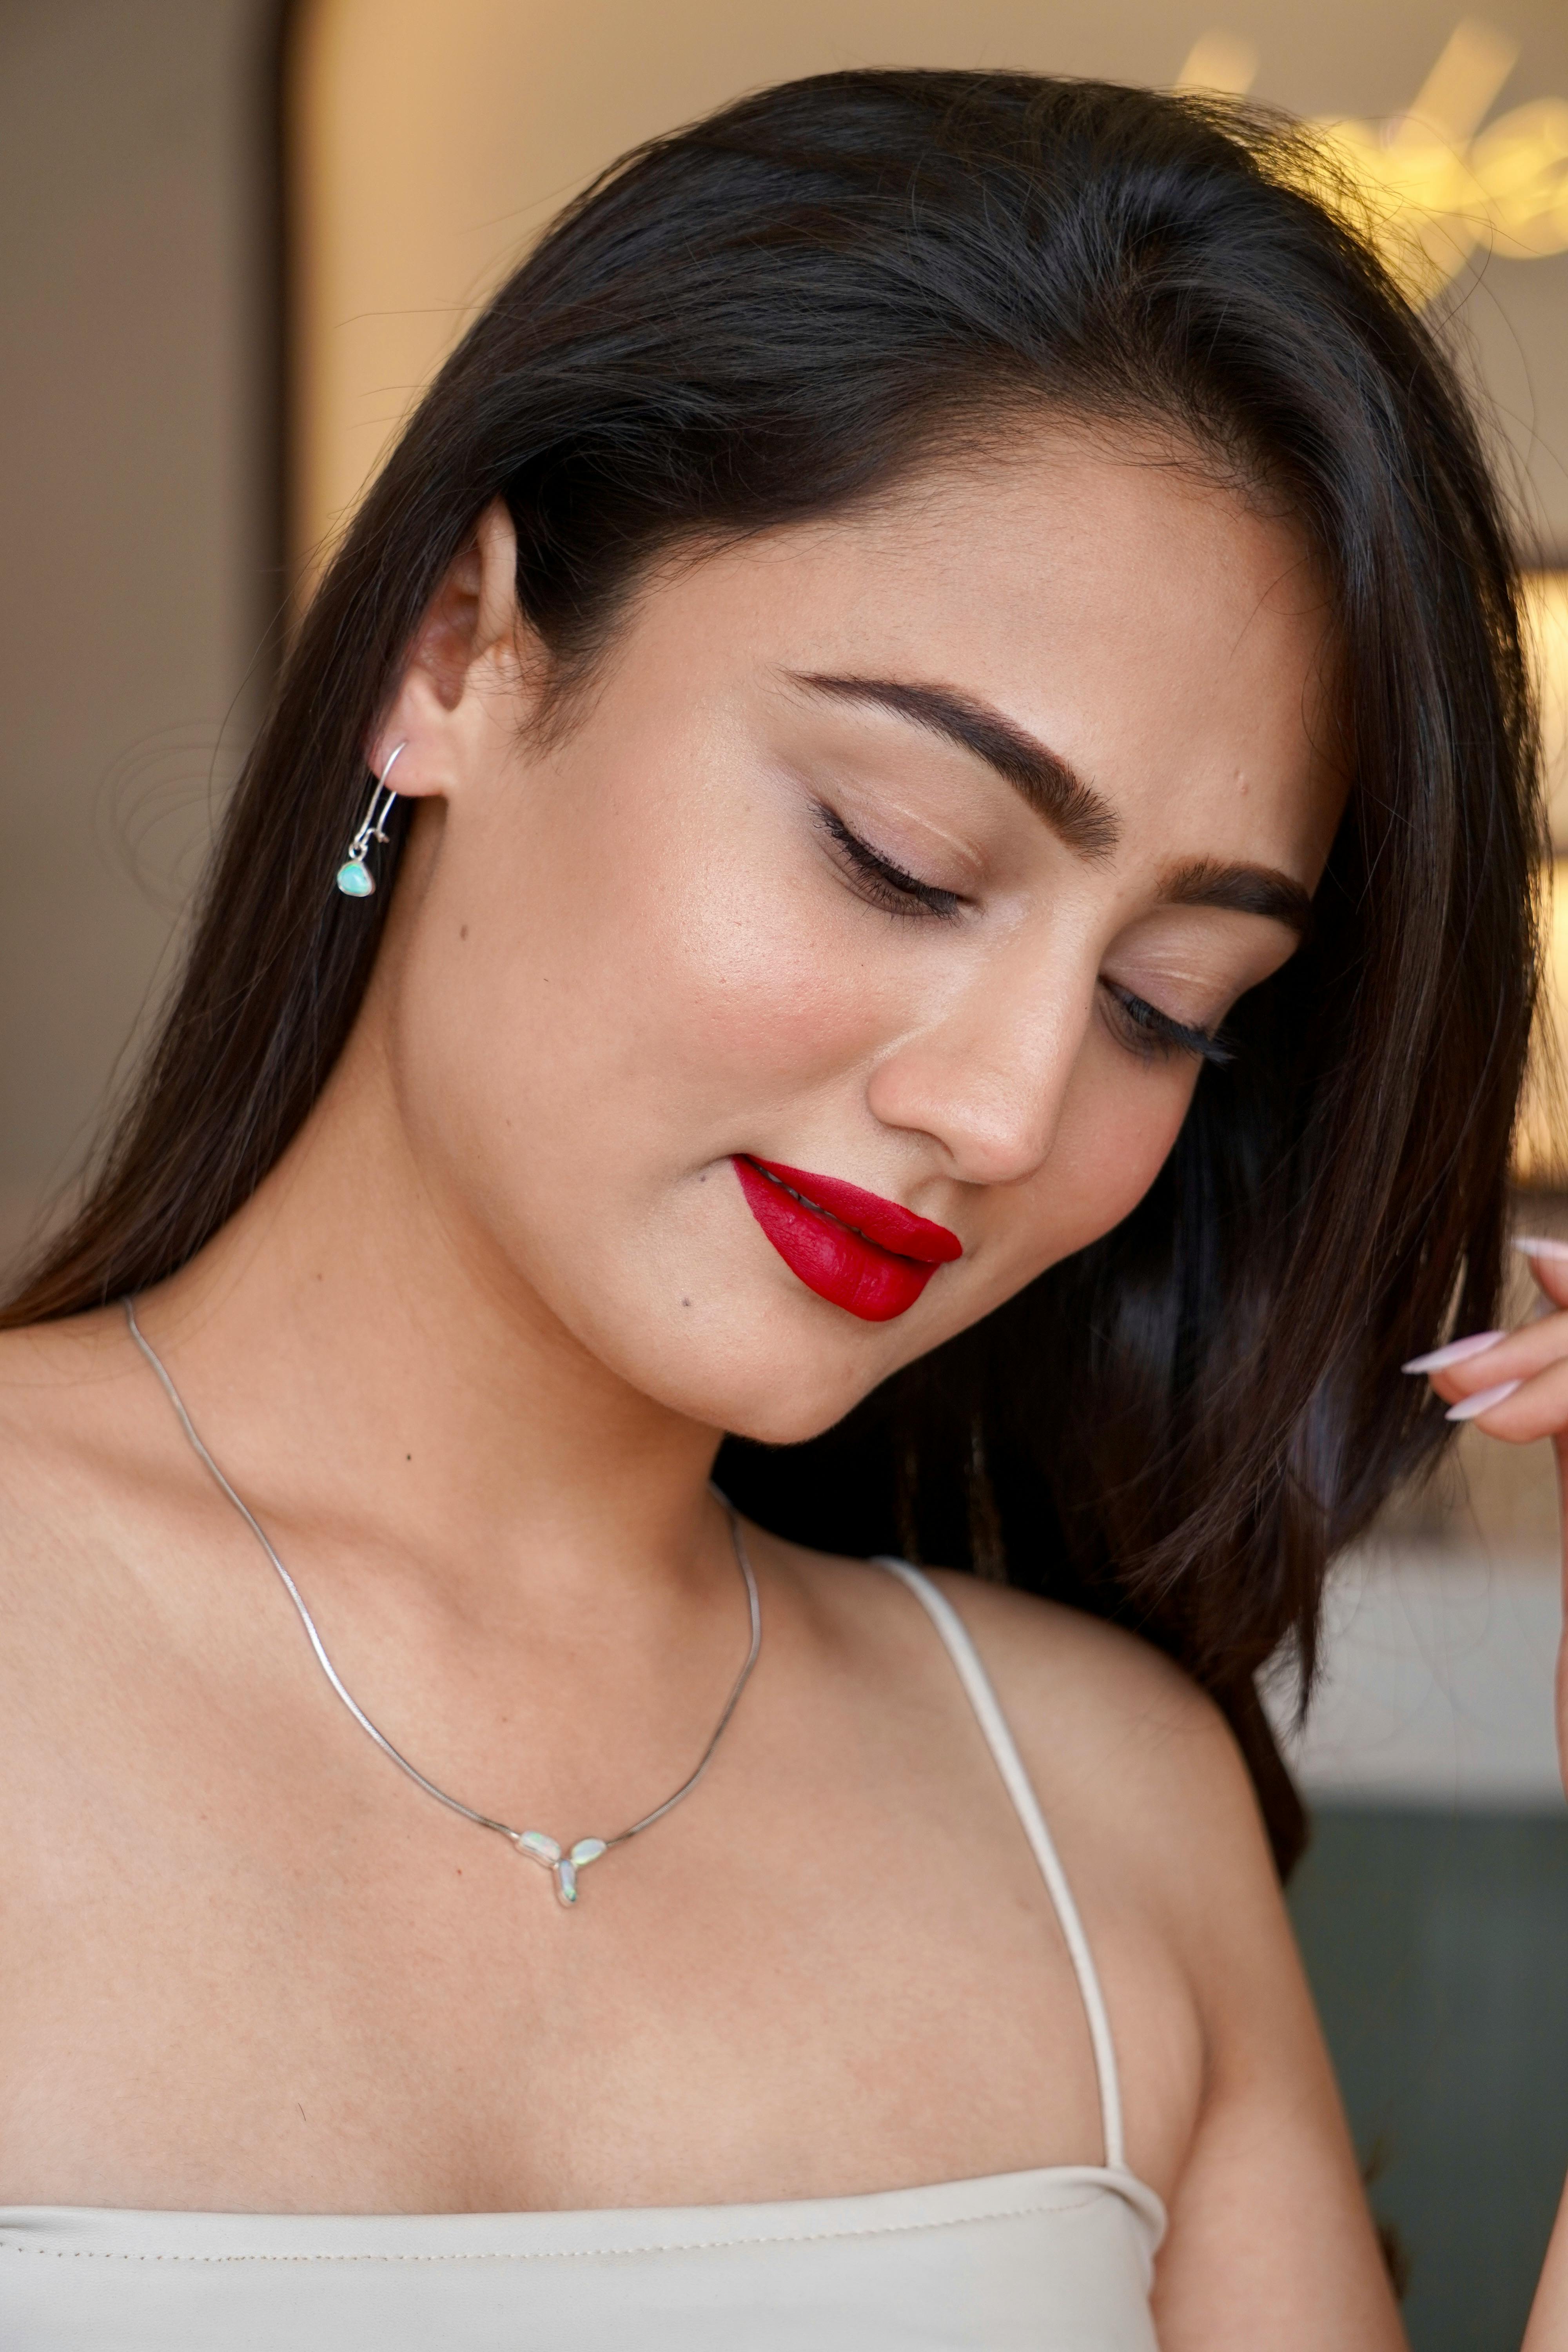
column 277, row 34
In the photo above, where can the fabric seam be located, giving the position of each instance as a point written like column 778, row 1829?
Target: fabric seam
column 579, row 2253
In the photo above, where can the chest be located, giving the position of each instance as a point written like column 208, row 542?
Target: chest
column 245, row 1963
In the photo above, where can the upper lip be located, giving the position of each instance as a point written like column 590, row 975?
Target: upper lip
column 883, row 1223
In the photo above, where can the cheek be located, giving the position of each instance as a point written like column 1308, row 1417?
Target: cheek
column 634, row 991
column 1118, row 1125
column 1117, row 1128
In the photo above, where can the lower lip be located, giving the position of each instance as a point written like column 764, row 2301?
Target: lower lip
column 839, row 1266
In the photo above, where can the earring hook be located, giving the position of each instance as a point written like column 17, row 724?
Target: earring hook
column 354, row 878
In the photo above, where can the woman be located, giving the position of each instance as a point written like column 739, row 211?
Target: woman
column 925, row 756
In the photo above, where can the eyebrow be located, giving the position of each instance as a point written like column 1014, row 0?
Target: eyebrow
column 1073, row 810
column 1076, row 812
column 1242, row 890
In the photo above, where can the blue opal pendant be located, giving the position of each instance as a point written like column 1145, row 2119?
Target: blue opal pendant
column 355, row 879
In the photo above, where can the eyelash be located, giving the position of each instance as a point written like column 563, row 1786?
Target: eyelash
column 1154, row 1036
column 880, row 882
column 1147, row 1032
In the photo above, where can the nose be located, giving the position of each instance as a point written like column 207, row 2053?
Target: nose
column 987, row 1079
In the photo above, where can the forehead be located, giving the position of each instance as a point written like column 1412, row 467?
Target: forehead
column 1165, row 634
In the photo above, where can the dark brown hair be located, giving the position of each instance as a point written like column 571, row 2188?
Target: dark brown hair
column 767, row 316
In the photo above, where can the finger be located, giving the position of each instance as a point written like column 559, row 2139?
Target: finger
column 1537, row 1408
column 1547, row 1263
column 1454, row 1351
column 1509, row 1355
column 1474, row 1408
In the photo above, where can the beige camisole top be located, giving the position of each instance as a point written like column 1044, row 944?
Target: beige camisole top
column 1058, row 2259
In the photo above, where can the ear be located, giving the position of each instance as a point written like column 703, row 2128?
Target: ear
column 471, row 658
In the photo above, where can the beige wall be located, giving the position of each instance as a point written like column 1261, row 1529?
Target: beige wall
column 435, row 139
column 136, row 516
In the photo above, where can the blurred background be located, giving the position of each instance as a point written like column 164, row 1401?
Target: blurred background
column 237, row 238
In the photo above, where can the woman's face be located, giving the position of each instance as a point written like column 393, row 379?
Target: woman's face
column 918, row 853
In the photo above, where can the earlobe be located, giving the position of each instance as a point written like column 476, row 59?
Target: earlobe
column 413, row 730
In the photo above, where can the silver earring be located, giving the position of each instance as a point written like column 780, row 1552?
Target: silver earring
column 354, row 877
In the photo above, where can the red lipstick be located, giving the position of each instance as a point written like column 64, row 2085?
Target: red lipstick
column 853, row 1248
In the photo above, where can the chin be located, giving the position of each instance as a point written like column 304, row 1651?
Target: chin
column 795, row 1393
column 768, row 1424
column 775, row 1388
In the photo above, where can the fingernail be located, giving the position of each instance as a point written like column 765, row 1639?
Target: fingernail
column 1537, row 1245
column 1482, row 1402
column 1456, row 1352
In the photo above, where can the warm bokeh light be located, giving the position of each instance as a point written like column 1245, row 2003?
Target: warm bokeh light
column 1546, row 598
column 1434, row 196
column 429, row 146
column 1541, row 1146
column 1541, row 1156
column 1431, row 185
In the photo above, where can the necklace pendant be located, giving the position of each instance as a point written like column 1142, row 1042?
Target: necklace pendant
column 564, row 1866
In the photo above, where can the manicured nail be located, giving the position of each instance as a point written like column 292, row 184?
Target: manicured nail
column 1456, row 1352
column 1538, row 1245
column 1482, row 1402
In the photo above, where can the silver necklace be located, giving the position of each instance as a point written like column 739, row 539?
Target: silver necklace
column 564, row 1861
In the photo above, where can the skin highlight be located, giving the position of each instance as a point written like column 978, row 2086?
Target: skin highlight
column 469, row 1349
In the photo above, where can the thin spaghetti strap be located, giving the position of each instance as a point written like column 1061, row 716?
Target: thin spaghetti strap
column 1010, row 1764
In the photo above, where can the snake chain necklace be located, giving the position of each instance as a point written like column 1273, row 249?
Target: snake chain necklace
column 564, row 1861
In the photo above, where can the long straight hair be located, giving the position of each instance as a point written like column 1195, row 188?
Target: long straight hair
column 792, row 306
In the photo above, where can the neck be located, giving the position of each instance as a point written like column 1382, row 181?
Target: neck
column 353, row 1340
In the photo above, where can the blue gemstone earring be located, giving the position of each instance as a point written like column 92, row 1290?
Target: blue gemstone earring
column 354, row 877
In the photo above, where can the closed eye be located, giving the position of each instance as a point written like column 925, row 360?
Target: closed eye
column 878, row 880
column 1145, row 1031
column 1154, row 1036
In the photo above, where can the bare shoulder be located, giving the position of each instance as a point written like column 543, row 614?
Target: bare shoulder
column 1136, row 1767
column 43, row 1365
column 1152, row 1810
column 72, row 1451
column 1093, row 1699
column 62, row 1391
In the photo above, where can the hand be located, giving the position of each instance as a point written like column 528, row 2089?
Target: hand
column 1514, row 1385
